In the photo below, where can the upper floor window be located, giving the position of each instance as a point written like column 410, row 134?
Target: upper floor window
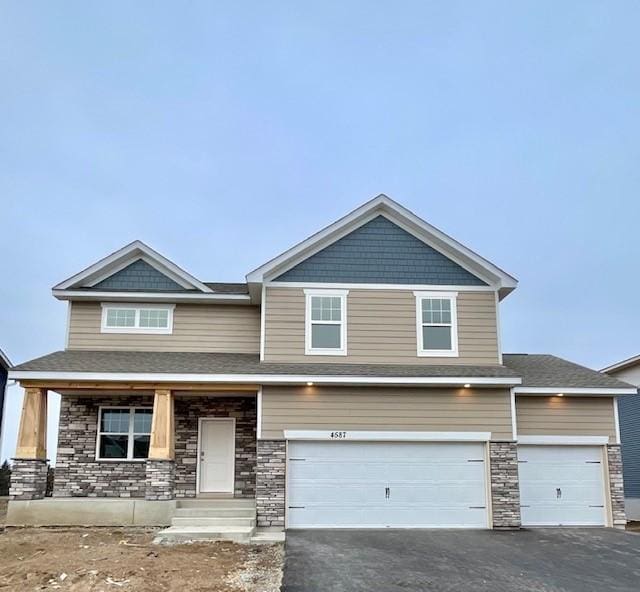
column 137, row 318
column 437, row 324
column 124, row 433
column 326, row 322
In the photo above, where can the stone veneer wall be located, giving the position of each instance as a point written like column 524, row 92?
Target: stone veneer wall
column 28, row 479
column 616, row 485
column 187, row 411
column 77, row 473
column 505, row 489
column 160, row 480
column 271, row 482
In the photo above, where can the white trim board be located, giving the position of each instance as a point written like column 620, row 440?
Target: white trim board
column 151, row 296
column 564, row 440
column 121, row 258
column 406, row 287
column 595, row 391
column 386, row 436
column 514, row 417
column 261, row 378
column 616, row 418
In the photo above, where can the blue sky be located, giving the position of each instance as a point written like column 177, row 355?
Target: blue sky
column 222, row 133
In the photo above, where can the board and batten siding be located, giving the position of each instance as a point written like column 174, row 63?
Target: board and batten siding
column 565, row 416
column 387, row 409
column 196, row 328
column 381, row 328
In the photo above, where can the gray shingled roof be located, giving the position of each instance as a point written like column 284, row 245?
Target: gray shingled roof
column 536, row 370
column 228, row 287
column 544, row 370
column 223, row 363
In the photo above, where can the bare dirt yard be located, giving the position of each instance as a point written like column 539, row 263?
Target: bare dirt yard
column 125, row 560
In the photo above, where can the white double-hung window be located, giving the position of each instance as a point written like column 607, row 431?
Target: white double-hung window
column 124, row 433
column 326, row 322
column 437, row 324
column 137, row 318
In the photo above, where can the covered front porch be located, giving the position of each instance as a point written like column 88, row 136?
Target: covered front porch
column 154, row 442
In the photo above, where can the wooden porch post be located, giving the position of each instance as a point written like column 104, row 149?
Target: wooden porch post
column 32, row 436
column 162, row 445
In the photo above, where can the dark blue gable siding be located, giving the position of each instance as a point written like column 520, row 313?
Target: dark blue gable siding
column 380, row 252
column 139, row 275
column 629, row 415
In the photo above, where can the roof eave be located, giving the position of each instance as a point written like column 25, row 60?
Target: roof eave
column 264, row 379
column 192, row 297
column 623, row 365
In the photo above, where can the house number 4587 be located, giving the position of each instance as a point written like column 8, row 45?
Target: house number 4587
column 338, row 435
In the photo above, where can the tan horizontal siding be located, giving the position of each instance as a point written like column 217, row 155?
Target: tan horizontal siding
column 196, row 327
column 565, row 416
column 396, row 409
column 381, row 328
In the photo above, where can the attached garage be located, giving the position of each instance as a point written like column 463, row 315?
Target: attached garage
column 562, row 485
column 388, row 484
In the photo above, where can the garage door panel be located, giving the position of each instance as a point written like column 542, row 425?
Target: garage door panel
column 561, row 485
column 390, row 484
column 308, row 493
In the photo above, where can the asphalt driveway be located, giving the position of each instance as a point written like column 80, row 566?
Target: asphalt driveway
column 543, row 560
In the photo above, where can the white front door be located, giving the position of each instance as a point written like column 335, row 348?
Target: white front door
column 217, row 455
column 561, row 485
column 386, row 484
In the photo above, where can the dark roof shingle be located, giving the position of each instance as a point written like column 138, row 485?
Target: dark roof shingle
column 544, row 370
column 228, row 363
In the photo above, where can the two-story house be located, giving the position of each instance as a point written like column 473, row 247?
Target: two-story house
column 355, row 380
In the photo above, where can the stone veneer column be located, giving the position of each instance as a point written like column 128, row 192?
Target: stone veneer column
column 160, row 480
column 270, row 482
column 28, row 479
column 505, row 489
column 616, row 485
column 29, row 469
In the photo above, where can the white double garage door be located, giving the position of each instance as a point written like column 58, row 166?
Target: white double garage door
column 435, row 485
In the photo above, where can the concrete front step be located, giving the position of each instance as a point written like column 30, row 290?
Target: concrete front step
column 213, row 521
column 212, row 512
column 185, row 534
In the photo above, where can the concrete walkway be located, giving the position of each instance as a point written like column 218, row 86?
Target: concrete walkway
column 544, row 560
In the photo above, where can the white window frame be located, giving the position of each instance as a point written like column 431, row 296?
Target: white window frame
column 130, row 434
column 136, row 329
column 311, row 351
column 437, row 353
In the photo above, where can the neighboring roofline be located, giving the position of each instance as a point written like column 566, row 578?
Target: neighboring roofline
column 159, row 377
column 5, row 361
column 123, row 257
column 583, row 391
column 106, row 296
column 621, row 365
column 383, row 205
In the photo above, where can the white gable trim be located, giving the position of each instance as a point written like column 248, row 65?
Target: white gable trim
column 122, row 258
column 383, row 205
column 621, row 365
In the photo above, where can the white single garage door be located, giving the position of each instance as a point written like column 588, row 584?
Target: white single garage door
column 390, row 484
column 561, row 485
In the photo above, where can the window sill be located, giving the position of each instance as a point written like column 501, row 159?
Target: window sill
column 438, row 354
column 121, row 460
column 325, row 352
